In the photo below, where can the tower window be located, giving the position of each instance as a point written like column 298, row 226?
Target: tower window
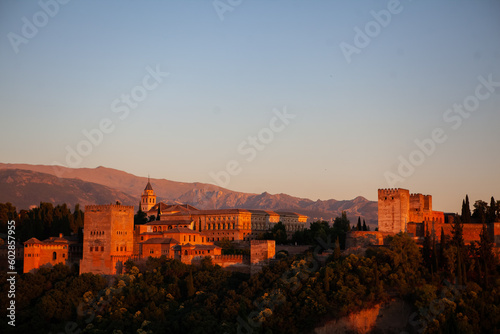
column 54, row 256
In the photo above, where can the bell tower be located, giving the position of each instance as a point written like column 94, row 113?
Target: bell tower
column 148, row 197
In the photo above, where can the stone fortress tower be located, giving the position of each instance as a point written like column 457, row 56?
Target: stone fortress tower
column 108, row 238
column 148, row 198
column 393, row 210
column 399, row 211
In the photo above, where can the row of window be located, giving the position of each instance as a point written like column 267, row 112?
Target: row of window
column 219, row 239
column 165, row 251
column 96, row 248
column 121, row 232
column 121, row 248
column 186, row 252
column 96, row 233
column 218, row 226
column 194, row 238
column 164, row 228
column 222, row 218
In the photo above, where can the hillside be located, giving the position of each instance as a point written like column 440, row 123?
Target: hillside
column 25, row 188
column 73, row 185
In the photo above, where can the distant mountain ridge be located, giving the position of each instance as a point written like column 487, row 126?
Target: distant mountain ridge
column 25, row 185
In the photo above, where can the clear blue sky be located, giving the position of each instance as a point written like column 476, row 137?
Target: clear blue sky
column 353, row 120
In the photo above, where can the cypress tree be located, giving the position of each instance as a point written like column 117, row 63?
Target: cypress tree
column 190, row 284
column 359, row 228
column 487, row 258
column 491, row 215
column 442, row 244
column 158, row 214
column 336, row 251
column 365, row 228
column 466, row 210
column 457, row 233
column 426, row 250
column 458, row 242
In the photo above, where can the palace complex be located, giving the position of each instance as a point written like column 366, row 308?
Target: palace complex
column 178, row 231
column 183, row 232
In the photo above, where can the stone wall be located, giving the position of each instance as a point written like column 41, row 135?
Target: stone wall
column 229, row 260
column 36, row 255
column 393, row 209
column 262, row 250
column 108, row 232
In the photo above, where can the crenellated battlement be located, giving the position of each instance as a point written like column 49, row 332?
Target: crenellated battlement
column 391, row 191
column 107, row 207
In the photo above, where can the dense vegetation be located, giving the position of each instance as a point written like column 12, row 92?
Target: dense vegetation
column 454, row 287
column 41, row 222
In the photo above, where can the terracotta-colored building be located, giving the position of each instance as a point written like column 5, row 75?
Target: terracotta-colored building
column 397, row 208
column 400, row 211
column 230, row 224
column 108, row 238
column 50, row 251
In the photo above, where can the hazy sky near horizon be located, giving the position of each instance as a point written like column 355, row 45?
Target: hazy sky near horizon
column 359, row 88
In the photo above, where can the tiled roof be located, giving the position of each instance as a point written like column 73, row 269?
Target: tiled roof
column 168, row 222
column 160, row 241
column 181, row 230
column 263, row 212
column 55, row 240
column 33, row 241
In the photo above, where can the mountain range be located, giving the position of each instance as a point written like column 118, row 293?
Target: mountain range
column 26, row 185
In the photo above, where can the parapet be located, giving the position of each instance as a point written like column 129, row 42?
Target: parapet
column 392, row 191
column 108, row 207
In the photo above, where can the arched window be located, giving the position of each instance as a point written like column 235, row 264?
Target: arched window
column 54, row 256
column 154, row 229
